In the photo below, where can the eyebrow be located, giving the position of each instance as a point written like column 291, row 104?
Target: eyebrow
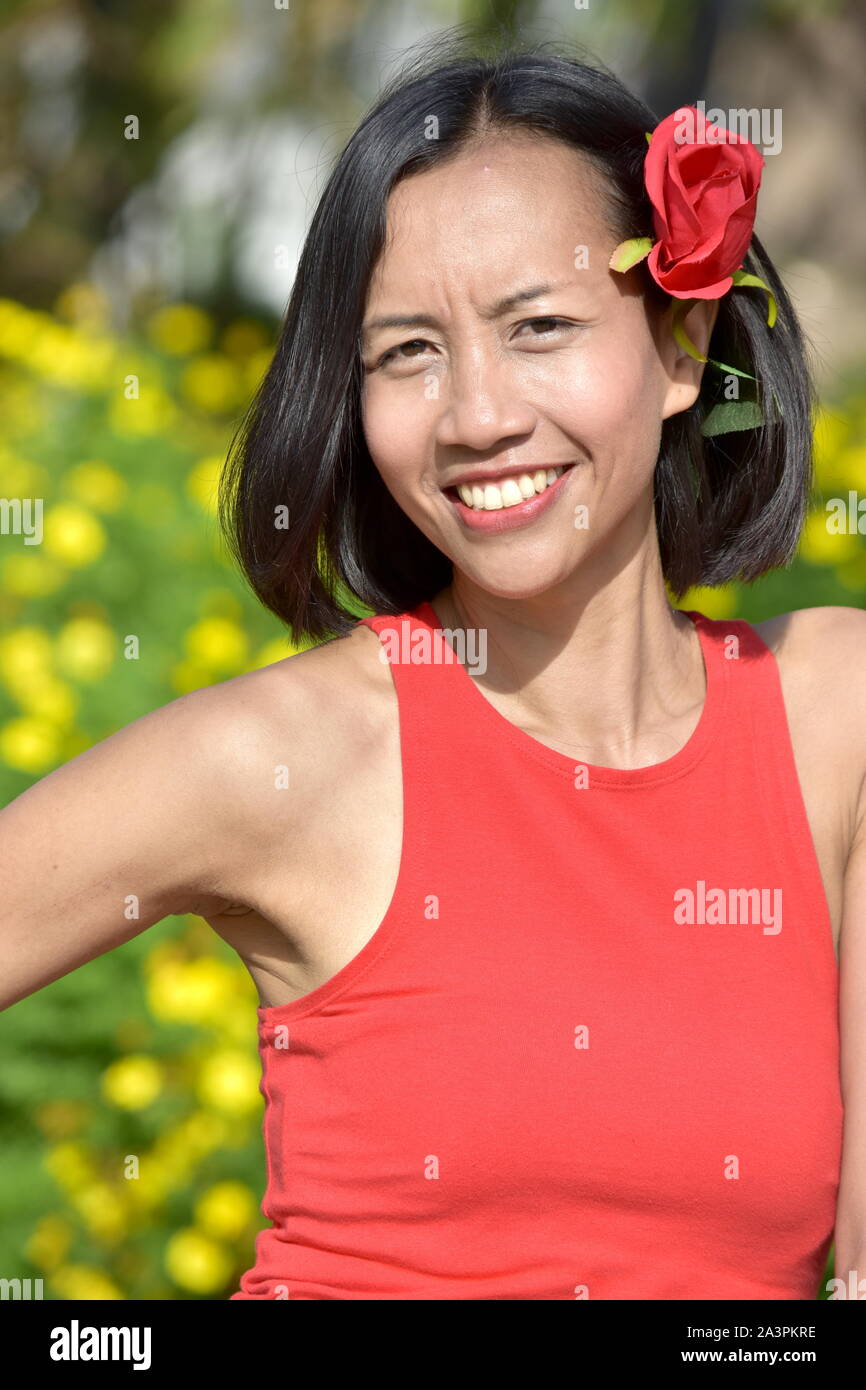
column 502, row 306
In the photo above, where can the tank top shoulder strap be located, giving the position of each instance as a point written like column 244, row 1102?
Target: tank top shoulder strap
column 425, row 666
column 753, row 673
column 434, row 718
column 757, row 719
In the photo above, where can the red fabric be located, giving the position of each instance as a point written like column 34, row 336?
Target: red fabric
column 534, row 1082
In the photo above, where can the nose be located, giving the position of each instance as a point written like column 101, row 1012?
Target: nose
column 481, row 405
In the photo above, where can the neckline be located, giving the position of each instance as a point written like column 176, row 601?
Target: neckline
column 715, row 672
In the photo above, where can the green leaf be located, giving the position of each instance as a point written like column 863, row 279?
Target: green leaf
column 723, row 367
column 740, row 277
column 726, row 416
column 628, row 253
column 681, row 308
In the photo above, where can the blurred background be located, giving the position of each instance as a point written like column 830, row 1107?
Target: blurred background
column 161, row 160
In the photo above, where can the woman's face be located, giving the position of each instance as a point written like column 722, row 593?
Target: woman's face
column 521, row 351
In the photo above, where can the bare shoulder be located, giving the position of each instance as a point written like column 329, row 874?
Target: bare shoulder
column 821, row 655
column 316, row 706
column 331, row 691
column 330, row 697
column 305, row 724
column 824, row 648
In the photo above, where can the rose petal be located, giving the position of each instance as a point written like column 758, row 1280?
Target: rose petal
column 703, row 193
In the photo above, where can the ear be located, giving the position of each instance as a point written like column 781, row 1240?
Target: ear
column 684, row 372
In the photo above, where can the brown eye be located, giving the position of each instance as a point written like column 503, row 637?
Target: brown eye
column 413, row 342
column 549, row 325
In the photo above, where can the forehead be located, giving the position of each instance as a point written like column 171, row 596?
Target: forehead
column 504, row 197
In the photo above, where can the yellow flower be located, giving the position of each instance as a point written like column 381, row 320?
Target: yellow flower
column 852, row 468
column 178, row 1151
column 50, row 699
column 73, row 359
column 276, row 650
column 74, row 1282
column 236, row 1023
column 202, row 482
column 217, row 644
column 180, row 329
column 713, row 603
column 97, row 486
column 86, row 649
column 830, row 435
column 243, row 337
column 197, row 1263
column 229, row 1082
column 132, row 1083
column 73, row 535
column 821, row 546
column 16, row 327
column 22, row 410
column 70, row 1165
column 29, row 744
column 21, row 476
column 226, row 1210
column 102, row 1210
column 49, row 1244
column 29, row 574
column 149, row 1190
column 154, row 412
column 26, row 652
column 195, row 991
column 255, row 369
column 212, row 383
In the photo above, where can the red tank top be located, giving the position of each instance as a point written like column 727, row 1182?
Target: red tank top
column 592, row 1049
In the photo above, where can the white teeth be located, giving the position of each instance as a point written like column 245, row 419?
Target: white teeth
column 511, row 493
column 492, row 497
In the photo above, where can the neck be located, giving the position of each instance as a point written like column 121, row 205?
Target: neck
column 614, row 677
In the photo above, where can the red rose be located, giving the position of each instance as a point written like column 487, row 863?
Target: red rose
column 704, row 192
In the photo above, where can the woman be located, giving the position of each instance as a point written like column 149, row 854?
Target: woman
column 540, row 879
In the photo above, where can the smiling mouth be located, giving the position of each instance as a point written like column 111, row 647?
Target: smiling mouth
column 512, row 491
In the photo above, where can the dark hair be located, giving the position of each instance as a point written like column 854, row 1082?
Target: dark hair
column 728, row 506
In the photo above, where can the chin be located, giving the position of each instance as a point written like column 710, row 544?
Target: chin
column 516, row 580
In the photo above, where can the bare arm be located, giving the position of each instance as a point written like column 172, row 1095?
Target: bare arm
column 150, row 821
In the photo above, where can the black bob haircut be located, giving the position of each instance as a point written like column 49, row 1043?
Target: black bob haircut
column 727, row 507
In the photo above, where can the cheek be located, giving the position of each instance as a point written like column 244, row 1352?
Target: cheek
column 602, row 397
column 389, row 431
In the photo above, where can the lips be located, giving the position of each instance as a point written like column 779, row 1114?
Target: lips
column 502, row 505
column 483, row 475
column 494, row 494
